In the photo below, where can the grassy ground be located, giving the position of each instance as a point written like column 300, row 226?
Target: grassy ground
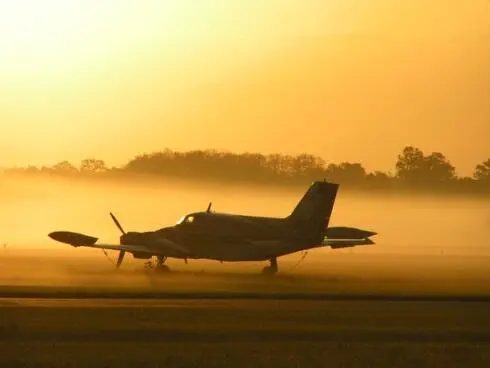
column 451, row 328
column 25, row 271
column 241, row 333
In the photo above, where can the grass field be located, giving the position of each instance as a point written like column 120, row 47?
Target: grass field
column 72, row 309
column 25, row 272
column 241, row 333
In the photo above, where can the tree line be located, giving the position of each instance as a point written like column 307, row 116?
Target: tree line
column 414, row 170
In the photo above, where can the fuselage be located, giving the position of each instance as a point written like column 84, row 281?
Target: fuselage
column 221, row 237
column 229, row 237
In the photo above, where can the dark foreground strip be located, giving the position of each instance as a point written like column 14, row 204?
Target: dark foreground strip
column 140, row 336
column 55, row 293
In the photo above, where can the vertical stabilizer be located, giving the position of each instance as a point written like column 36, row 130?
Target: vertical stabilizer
column 311, row 216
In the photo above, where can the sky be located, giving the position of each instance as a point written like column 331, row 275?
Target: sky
column 348, row 80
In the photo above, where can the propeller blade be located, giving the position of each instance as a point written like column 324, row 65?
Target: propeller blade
column 120, row 258
column 209, row 207
column 117, row 223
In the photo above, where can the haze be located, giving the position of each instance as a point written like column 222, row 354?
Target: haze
column 425, row 244
column 407, row 224
column 334, row 78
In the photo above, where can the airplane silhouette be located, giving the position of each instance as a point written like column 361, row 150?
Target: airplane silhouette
column 234, row 238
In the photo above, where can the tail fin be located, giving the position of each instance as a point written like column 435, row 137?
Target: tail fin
column 312, row 214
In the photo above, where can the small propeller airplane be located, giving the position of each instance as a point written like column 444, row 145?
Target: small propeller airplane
column 235, row 238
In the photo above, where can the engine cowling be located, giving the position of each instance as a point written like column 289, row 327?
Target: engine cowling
column 142, row 255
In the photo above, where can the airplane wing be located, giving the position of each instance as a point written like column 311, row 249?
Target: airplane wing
column 132, row 248
column 158, row 247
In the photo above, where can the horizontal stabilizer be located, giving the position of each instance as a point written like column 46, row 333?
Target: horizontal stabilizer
column 344, row 232
column 75, row 239
column 346, row 243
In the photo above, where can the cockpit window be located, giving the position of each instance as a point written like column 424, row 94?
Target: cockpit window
column 185, row 220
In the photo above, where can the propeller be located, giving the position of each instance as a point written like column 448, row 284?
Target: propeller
column 117, row 223
column 120, row 258
column 122, row 252
column 209, row 207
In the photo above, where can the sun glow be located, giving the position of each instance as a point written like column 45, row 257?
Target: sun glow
column 78, row 75
column 30, row 27
column 50, row 33
column 54, row 29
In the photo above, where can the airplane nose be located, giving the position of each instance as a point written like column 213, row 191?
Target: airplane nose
column 368, row 234
column 123, row 239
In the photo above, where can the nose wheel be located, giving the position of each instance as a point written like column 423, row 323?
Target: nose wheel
column 272, row 269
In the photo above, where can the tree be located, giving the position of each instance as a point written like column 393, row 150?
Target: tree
column 64, row 167
column 307, row 166
column 410, row 164
column 413, row 167
column 31, row 170
column 482, row 171
column 346, row 173
column 379, row 179
column 92, row 165
column 439, row 168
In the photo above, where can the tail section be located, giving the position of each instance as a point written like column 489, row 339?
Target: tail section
column 311, row 216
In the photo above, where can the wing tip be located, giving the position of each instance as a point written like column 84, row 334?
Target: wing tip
column 72, row 238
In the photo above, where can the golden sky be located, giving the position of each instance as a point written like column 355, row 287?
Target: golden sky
column 351, row 80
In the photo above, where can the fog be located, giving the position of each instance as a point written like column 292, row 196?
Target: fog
column 415, row 224
column 422, row 240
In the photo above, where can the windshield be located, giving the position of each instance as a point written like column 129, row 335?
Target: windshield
column 187, row 219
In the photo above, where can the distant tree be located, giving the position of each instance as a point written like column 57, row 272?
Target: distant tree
column 254, row 167
column 279, row 166
column 414, row 167
column 379, row 175
column 31, row 170
column 91, row 165
column 64, row 167
column 410, row 164
column 22, row 170
column 379, row 179
column 464, row 185
column 307, row 167
column 346, row 173
column 482, row 171
column 439, row 168
column 46, row 170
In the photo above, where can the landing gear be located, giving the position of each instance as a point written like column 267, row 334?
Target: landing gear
column 159, row 266
column 272, row 269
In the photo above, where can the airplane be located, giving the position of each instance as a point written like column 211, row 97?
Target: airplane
column 228, row 237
